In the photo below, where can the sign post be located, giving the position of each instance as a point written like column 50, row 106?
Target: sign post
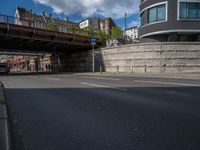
column 93, row 43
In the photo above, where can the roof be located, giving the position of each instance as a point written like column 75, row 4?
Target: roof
column 24, row 12
column 90, row 19
column 21, row 11
column 64, row 22
column 28, row 15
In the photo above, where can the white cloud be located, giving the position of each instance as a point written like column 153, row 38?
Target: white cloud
column 87, row 8
column 134, row 23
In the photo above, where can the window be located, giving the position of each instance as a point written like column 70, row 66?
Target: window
column 189, row 10
column 161, row 12
column 157, row 13
column 153, row 15
column 142, row 19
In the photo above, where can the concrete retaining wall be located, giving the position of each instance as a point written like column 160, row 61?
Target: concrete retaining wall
column 155, row 57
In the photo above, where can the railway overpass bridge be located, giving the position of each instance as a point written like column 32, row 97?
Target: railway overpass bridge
column 17, row 35
column 29, row 37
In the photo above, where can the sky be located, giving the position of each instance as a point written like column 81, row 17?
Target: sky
column 77, row 10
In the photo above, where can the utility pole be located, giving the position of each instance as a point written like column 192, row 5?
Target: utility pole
column 125, row 21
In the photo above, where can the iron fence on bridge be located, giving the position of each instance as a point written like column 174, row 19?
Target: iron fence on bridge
column 72, row 29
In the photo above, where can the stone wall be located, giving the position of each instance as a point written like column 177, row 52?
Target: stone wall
column 155, row 57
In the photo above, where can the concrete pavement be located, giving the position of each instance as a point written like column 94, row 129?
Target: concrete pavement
column 181, row 75
column 70, row 112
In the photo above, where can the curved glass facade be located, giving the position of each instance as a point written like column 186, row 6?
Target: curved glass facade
column 170, row 20
column 189, row 10
column 157, row 13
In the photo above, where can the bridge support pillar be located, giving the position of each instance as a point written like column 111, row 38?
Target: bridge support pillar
column 55, row 61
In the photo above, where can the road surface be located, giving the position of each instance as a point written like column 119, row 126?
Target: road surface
column 73, row 112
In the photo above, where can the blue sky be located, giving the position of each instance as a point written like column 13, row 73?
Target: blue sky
column 78, row 10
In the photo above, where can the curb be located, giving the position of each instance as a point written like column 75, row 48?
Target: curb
column 4, row 125
column 169, row 76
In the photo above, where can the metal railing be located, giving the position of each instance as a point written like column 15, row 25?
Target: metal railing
column 63, row 28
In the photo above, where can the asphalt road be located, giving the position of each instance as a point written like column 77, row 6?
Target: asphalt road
column 69, row 112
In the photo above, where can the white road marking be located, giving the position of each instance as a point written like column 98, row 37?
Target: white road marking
column 167, row 83
column 103, row 86
column 177, row 93
column 95, row 85
column 54, row 79
column 103, row 78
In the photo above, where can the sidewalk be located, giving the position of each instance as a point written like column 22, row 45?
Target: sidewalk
column 194, row 76
column 4, row 129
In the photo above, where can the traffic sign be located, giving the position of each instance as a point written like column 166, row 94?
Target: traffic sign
column 93, row 41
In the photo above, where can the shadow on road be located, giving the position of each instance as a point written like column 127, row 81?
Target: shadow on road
column 99, row 118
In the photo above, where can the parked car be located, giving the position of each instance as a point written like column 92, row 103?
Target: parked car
column 4, row 68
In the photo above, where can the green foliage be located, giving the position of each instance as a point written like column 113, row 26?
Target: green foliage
column 103, row 37
column 74, row 29
column 90, row 32
column 99, row 34
column 116, row 32
column 52, row 27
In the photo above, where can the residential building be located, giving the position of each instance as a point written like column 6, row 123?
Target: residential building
column 99, row 24
column 90, row 23
column 43, row 21
column 131, row 33
column 107, row 24
column 169, row 20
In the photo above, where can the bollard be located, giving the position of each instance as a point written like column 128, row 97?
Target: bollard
column 131, row 69
column 145, row 68
column 117, row 70
column 101, row 70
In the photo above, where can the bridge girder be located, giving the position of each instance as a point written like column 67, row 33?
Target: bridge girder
column 31, row 39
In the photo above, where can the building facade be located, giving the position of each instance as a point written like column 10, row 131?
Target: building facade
column 91, row 23
column 131, row 33
column 107, row 24
column 43, row 21
column 169, row 20
column 98, row 24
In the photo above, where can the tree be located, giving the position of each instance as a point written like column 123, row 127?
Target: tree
column 116, row 32
column 90, row 32
column 74, row 29
column 103, row 37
